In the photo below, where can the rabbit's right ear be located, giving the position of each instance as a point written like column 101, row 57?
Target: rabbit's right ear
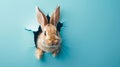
column 55, row 16
column 42, row 19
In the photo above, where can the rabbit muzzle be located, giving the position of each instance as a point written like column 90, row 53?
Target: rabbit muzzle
column 52, row 40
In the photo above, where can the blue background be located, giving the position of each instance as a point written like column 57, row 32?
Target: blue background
column 91, row 33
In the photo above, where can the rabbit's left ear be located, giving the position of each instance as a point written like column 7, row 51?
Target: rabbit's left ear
column 55, row 16
column 42, row 19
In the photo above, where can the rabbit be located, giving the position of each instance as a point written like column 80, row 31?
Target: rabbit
column 49, row 40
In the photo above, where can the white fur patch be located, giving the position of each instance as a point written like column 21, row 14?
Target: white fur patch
column 42, row 45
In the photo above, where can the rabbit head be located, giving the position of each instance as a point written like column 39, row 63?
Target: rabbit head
column 49, row 35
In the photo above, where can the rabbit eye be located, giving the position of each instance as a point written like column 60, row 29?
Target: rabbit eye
column 45, row 33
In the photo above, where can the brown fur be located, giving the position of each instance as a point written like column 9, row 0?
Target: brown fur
column 49, row 40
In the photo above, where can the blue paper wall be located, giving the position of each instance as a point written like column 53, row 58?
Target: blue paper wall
column 91, row 33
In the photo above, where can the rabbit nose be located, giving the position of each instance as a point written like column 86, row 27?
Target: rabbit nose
column 49, row 42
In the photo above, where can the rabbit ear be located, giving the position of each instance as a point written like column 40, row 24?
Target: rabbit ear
column 41, row 18
column 55, row 16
